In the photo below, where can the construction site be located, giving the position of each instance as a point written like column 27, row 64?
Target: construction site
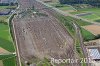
column 39, row 34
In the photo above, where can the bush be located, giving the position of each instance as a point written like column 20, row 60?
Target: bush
column 58, row 5
column 97, row 20
column 97, row 37
column 10, row 25
column 4, row 4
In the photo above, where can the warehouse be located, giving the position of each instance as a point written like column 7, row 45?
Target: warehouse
column 94, row 54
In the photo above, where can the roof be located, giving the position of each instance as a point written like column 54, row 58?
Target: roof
column 95, row 54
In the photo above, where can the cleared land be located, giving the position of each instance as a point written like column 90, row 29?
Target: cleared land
column 94, row 29
column 42, row 36
column 47, row 36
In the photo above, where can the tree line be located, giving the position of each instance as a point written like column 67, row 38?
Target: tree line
column 7, row 4
column 91, row 2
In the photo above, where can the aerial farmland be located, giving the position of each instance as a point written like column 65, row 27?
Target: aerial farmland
column 49, row 33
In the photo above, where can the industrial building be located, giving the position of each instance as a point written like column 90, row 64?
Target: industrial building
column 94, row 54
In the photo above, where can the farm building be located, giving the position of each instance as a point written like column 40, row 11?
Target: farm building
column 95, row 54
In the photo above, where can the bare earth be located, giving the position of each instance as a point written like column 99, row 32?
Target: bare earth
column 3, row 51
column 1, row 63
column 94, row 29
column 42, row 36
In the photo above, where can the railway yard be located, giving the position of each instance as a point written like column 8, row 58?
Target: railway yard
column 49, row 33
column 42, row 35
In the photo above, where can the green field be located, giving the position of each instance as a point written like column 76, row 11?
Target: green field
column 5, row 38
column 7, row 44
column 62, row 6
column 85, row 10
column 78, row 21
column 8, row 60
column 97, row 20
column 7, row 7
column 67, row 21
column 87, row 35
column 91, row 17
column 94, row 16
column 65, row 8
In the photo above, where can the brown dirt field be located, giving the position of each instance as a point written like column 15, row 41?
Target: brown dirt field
column 94, row 29
column 42, row 36
column 3, row 51
column 1, row 63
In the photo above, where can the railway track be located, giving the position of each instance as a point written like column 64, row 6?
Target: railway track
column 42, row 36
